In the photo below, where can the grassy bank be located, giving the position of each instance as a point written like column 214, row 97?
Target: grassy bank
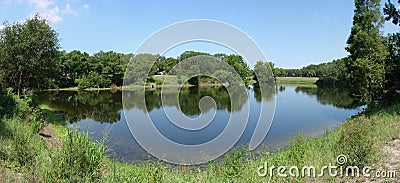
column 296, row 80
column 24, row 155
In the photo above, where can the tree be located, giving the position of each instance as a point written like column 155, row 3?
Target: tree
column 188, row 54
column 240, row 66
column 168, row 64
column 109, row 65
column 73, row 65
column 138, row 69
column 28, row 53
column 262, row 72
column 392, row 66
column 392, row 13
column 332, row 73
column 367, row 51
column 93, row 79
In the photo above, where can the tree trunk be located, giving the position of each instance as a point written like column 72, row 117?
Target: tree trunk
column 19, row 84
column 370, row 93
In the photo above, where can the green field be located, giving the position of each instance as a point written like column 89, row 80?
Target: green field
column 296, row 80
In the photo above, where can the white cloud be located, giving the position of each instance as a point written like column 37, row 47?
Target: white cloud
column 86, row 6
column 2, row 27
column 50, row 10
column 68, row 10
column 42, row 8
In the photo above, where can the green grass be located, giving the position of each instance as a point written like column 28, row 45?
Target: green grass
column 296, row 80
column 25, row 157
column 56, row 120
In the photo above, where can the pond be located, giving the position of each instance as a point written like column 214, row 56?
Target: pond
column 308, row 110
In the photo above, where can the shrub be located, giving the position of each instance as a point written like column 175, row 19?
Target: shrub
column 356, row 142
column 78, row 159
column 7, row 103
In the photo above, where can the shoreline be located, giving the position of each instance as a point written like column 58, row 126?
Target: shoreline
column 299, row 144
column 362, row 138
column 280, row 81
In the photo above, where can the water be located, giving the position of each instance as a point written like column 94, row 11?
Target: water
column 299, row 109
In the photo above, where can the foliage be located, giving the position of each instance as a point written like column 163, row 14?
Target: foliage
column 7, row 103
column 103, row 69
column 391, row 12
column 392, row 68
column 73, row 65
column 262, row 72
column 355, row 144
column 28, row 53
column 93, row 79
column 367, row 51
column 78, row 159
column 138, row 69
column 188, row 54
column 110, row 66
column 333, row 73
column 240, row 66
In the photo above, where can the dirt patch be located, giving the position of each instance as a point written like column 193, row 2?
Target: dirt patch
column 393, row 155
column 9, row 176
column 50, row 137
column 390, row 167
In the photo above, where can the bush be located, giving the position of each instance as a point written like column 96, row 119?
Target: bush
column 356, row 142
column 79, row 159
column 7, row 103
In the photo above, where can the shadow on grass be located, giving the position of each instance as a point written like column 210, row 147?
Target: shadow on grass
column 53, row 117
column 7, row 108
column 391, row 109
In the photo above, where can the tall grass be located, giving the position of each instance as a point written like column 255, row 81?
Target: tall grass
column 78, row 160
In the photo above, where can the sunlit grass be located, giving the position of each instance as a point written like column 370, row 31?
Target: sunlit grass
column 296, row 80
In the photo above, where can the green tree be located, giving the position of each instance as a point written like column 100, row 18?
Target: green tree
column 138, row 69
column 240, row 66
column 392, row 66
column 332, row 73
column 73, row 65
column 188, row 54
column 262, row 72
column 168, row 64
column 367, row 51
column 110, row 66
column 28, row 53
column 391, row 12
column 93, row 79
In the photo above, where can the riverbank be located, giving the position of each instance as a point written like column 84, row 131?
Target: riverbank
column 366, row 139
column 296, row 80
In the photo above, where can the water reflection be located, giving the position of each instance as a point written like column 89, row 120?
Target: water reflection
column 338, row 97
column 105, row 106
column 308, row 110
column 102, row 107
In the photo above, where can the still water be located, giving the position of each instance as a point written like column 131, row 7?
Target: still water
column 307, row 110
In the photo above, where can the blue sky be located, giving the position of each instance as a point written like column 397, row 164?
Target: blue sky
column 291, row 33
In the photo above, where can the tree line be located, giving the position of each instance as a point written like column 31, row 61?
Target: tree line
column 30, row 58
column 372, row 68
